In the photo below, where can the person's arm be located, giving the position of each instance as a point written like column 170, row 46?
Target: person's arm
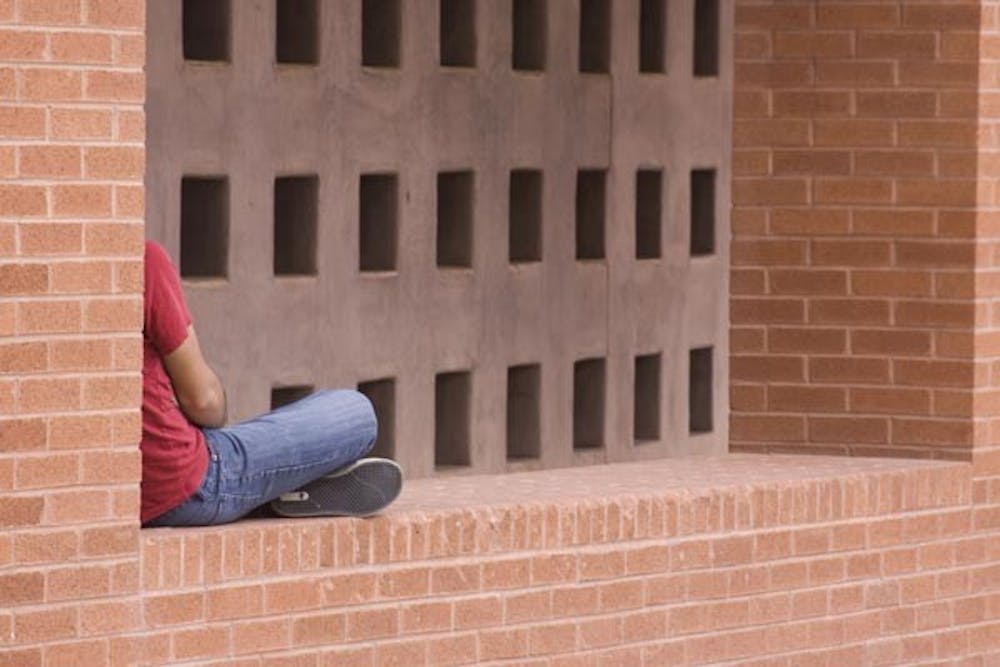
column 198, row 389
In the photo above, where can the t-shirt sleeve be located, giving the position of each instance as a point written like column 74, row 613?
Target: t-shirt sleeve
column 166, row 316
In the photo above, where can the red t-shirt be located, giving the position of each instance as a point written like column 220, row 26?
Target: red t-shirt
column 174, row 455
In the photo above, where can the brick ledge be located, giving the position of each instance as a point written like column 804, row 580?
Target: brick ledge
column 494, row 514
column 691, row 476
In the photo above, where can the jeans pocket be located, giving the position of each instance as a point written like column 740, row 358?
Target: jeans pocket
column 202, row 507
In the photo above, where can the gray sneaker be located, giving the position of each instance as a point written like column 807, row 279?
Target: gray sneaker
column 359, row 489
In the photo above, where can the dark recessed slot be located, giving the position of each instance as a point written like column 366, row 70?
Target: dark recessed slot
column 525, row 216
column 648, row 213
column 702, row 211
column 590, row 213
column 458, row 33
column 700, row 391
column 281, row 396
column 530, row 25
column 646, row 416
column 205, row 27
column 378, row 203
column 382, row 394
column 706, row 38
column 653, row 36
column 595, row 35
column 588, row 404
column 297, row 34
column 381, row 29
column 452, row 402
column 204, row 227
column 524, row 411
column 295, row 210
column 454, row 218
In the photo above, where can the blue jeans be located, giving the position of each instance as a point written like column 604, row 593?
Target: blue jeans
column 254, row 462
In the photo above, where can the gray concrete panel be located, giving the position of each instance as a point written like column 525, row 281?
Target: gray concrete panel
column 251, row 120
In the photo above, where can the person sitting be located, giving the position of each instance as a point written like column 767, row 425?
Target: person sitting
column 306, row 458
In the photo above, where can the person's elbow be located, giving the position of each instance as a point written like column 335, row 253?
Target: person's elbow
column 198, row 389
column 205, row 407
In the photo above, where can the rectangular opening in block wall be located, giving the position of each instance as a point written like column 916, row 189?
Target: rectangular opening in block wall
column 452, row 416
column 706, row 38
column 700, row 390
column 702, row 211
column 646, row 406
column 653, row 36
column 525, row 216
column 378, row 203
column 296, row 202
column 530, row 25
column 381, row 32
column 204, row 227
column 283, row 395
column 458, row 33
column 524, row 411
column 648, row 213
column 588, row 403
column 455, row 205
column 297, row 31
column 205, row 29
column 382, row 394
column 595, row 35
column 590, row 213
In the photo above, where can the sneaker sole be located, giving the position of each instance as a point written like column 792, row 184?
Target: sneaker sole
column 361, row 489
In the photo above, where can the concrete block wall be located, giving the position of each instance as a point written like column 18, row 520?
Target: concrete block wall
column 469, row 251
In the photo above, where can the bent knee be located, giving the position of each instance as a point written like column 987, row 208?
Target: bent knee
column 357, row 409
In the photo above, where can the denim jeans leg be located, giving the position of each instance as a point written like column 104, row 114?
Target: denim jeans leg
column 278, row 452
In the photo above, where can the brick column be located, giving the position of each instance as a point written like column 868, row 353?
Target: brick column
column 859, row 314
column 71, row 228
column 987, row 283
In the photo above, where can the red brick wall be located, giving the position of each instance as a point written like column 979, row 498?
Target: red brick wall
column 863, row 316
column 71, row 229
column 854, row 292
column 987, row 285
column 864, row 292
column 883, row 566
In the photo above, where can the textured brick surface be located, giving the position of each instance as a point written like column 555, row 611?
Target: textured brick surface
column 69, row 368
column 784, row 560
column 855, row 236
column 985, row 286
column 862, row 303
